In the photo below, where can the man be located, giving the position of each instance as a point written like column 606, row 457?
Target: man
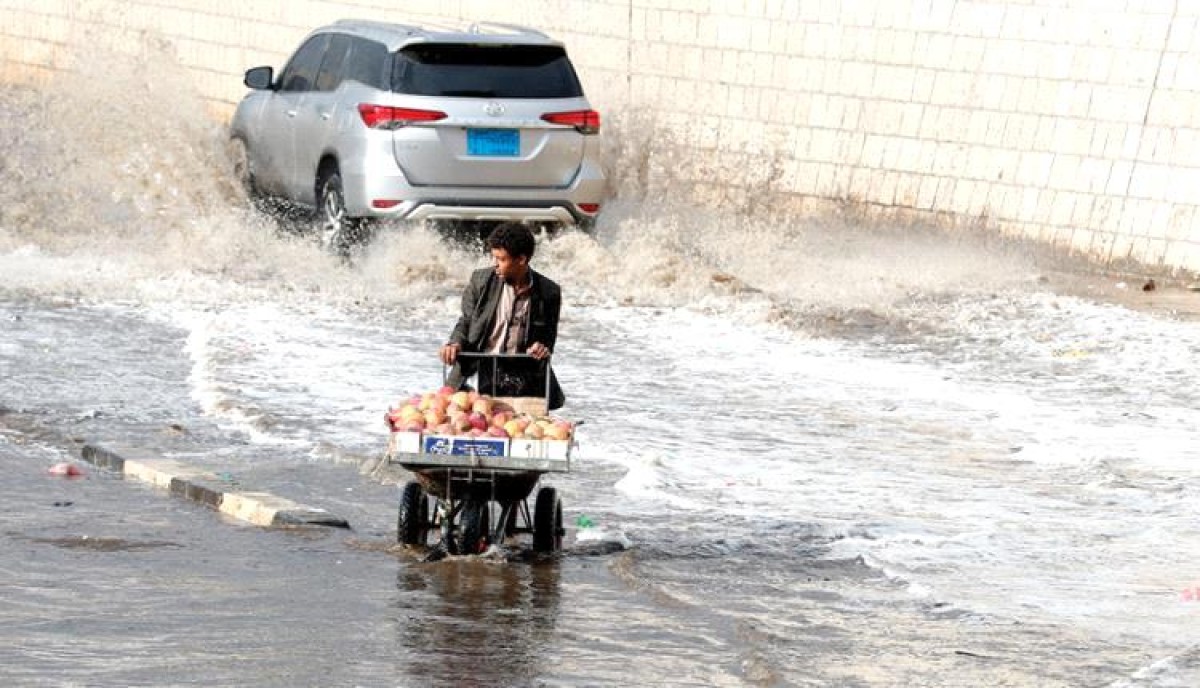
column 508, row 308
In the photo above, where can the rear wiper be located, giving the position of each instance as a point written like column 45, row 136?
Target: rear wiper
column 471, row 94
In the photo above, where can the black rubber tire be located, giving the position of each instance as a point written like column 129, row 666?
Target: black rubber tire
column 412, row 524
column 242, row 177
column 338, row 233
column 510, row 528
column 467, row 234
column 476, row 517
column 547, row 521
column 239, row 160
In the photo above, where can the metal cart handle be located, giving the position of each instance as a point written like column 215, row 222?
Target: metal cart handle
column 495, row 357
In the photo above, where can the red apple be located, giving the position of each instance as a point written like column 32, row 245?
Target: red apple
column 478, row 421
column 461, row 424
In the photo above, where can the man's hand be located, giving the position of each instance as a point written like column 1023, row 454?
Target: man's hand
column 539, row 351
column 449, row 353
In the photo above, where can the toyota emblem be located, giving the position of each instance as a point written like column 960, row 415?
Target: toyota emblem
column 494, row 109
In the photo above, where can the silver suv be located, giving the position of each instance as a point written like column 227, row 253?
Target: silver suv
column 371, row 120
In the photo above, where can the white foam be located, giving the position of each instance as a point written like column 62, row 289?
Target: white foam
column 1010, row 453
column 603, row 535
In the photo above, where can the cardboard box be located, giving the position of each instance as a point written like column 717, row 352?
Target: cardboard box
column 464, row 446
column 540, row 449
column 405, row 443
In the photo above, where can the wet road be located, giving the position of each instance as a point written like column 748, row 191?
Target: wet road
column 922, row 569
column 839, row 454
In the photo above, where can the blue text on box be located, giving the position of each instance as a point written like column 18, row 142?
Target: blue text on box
column 464, row 446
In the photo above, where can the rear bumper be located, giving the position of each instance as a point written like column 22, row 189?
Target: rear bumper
column 440, row 211
column 559, row 205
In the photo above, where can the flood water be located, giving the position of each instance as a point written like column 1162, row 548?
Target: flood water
column 814, row 452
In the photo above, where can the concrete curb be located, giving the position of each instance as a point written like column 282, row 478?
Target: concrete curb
column 259, row 508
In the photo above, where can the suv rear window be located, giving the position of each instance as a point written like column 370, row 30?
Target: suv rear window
column 485, row 71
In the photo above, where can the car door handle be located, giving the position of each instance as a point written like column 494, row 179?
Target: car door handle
column 326, row 115
column 291, row 113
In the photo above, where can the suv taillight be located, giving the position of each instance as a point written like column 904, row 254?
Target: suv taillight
column 387, row 117
column 586, row 121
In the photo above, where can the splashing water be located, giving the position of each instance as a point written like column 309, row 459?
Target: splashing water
column 772, row 388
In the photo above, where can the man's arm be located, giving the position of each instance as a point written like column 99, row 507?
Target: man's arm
column 470, row 303
column 549, row 331
column 553, row 307
column 461, row 332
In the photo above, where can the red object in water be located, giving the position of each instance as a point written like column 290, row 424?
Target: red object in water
column 66, row 470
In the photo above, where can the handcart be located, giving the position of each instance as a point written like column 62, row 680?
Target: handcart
column 480, row 487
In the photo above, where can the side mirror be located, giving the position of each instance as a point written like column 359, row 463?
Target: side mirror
column 259, row 78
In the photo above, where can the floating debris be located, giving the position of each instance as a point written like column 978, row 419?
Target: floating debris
column 65, row 470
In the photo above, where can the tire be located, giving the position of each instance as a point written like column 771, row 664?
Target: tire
column 338, row 233
column 510, row 528
column 242, row 172
column 547, row 521
column 413, row 521
column 475, row 520
column 468, row 234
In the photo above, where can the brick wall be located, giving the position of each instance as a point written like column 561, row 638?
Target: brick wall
column 1076, row 122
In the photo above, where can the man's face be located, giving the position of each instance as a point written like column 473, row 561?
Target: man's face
column 509, row 268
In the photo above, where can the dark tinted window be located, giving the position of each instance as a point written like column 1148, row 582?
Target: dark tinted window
column 485, row 71
column 301, row 72
column 331, row 65
column 367, row 63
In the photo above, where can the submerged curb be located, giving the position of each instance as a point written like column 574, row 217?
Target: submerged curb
column 259, row 508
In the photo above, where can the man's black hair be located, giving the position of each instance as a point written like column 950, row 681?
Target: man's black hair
column 512, row 237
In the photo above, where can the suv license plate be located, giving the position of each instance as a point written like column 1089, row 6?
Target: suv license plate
column 494, row 142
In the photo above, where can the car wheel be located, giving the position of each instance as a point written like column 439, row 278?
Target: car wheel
column 468, row 234
column 337, row 232
column 243, row 175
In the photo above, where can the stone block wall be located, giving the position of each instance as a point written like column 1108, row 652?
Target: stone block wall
column 1076, row 122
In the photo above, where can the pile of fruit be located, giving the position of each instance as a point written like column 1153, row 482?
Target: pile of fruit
column 470, row 414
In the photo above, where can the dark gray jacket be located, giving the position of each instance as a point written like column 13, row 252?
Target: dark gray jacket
column 480, row 302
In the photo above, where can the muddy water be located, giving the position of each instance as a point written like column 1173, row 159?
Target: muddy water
column 815, row 453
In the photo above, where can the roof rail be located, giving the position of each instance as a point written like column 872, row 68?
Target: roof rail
column 388, row 26
column 477, row 27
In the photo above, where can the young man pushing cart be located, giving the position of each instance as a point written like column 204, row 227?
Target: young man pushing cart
column 511, row 309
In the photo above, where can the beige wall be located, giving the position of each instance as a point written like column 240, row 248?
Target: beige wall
column 1072, row 121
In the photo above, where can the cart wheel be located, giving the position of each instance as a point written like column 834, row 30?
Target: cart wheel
column 510, row 528
column 547, row 521
column 413, row 520
column 475, row 520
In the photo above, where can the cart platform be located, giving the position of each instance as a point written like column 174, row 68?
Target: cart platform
column 468, row 476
